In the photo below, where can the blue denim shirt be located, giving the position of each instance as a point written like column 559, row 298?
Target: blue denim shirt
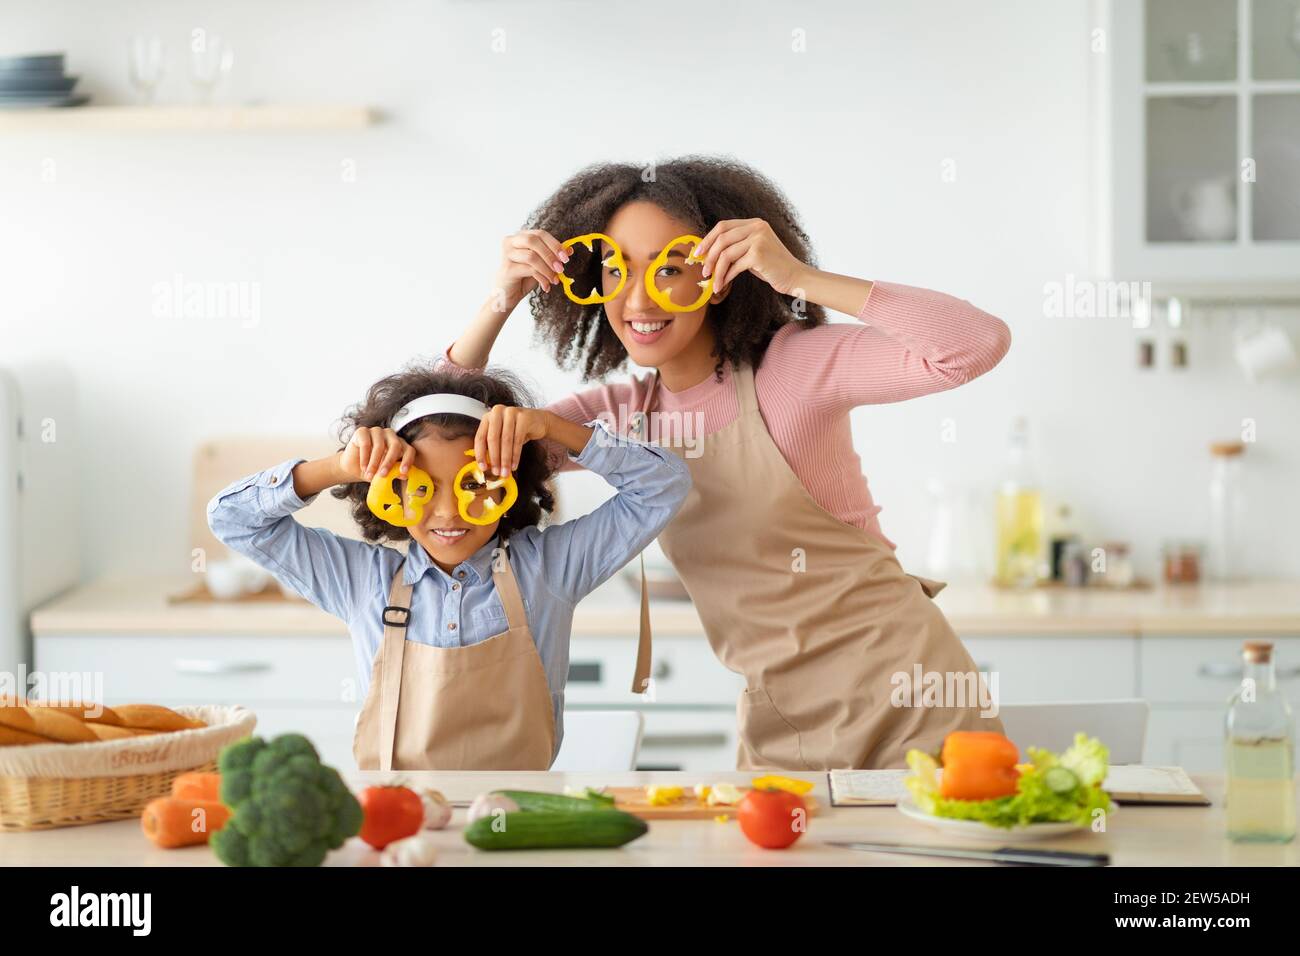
column 555, row 566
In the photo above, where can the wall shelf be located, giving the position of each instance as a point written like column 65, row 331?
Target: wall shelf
column 140, row 118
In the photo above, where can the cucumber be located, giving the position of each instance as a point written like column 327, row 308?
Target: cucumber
column 557, row 802
column 550, row 830
column 1060, row 779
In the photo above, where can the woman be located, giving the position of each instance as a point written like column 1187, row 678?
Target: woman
column 778, row 543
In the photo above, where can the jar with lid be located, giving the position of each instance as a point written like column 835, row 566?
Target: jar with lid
column 1119, row 565
column 1227, row 510
column 1182, row 562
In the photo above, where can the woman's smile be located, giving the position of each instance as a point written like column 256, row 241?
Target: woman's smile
column 647, row 331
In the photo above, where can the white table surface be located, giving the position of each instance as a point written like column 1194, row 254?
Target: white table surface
column 1137, row 836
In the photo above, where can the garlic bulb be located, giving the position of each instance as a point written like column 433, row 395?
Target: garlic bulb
column 437, row 811
column 418, row 850
column 487, row 804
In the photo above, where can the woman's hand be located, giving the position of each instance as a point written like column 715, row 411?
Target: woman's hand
column 734, row 246
column 373, row 451
column 504, row 430
column 529, row 259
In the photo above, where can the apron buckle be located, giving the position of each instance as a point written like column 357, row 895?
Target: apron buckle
column 402, row 610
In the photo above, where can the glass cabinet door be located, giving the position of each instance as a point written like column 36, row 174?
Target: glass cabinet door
column 1275, row 148
column 1191, row 186
column 1222, row 121
column 1275, row 40
column 1191, row 40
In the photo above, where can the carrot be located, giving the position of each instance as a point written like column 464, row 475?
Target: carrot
column 197, row 786
column 170, row 822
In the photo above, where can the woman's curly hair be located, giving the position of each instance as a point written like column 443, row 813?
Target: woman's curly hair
column 491, row 387
column 699, row 190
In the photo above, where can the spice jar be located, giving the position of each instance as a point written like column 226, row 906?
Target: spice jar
column 1182, row 562
column 1119, row 565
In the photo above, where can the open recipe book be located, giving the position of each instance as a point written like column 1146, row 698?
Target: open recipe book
column 1133, row 783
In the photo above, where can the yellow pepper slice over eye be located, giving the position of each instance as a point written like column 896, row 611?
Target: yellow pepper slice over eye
column 386, row 504
column 492, row 510
column 662, row 298
column 614, row 260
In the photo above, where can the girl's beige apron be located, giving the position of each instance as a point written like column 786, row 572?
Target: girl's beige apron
column 816, row 614
column 485, row 706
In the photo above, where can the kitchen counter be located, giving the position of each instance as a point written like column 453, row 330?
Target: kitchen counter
column 1138, row 836
column 140, row 606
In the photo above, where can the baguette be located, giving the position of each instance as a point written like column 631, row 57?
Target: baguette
column 44, row 722
column 83, row 712
column 20, row 738
column 154, row 717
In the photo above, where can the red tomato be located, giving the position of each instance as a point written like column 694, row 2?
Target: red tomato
column 772, row 818
column 391, row 813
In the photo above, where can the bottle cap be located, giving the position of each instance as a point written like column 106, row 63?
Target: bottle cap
column 1257, row 652
column 1226, row 449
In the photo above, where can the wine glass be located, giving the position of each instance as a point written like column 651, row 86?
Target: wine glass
column 210, row 61
column 147, row 64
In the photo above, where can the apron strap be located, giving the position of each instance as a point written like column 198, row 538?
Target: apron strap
column 746, row 393
column 641, row 676
column 503, row 576
column 397, row 616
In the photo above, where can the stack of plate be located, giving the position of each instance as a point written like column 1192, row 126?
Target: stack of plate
column 36, row 81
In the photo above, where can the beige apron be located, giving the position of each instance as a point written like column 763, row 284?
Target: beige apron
column 485, row 706
column 816, row 614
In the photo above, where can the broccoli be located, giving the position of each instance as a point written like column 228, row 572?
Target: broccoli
column 287, row 808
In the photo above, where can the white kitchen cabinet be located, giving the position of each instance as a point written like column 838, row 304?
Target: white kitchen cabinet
column 292, row 683
column 1054, row 668
column 1197, row 113
column 208, row 668
column 1207, row 670
column 1188, row 680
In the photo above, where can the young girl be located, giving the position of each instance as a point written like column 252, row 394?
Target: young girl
column 462, row 645
column 703, row 274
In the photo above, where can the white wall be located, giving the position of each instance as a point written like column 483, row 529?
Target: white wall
column 355, row 277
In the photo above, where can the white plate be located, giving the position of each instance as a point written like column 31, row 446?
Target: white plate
column 975, row 830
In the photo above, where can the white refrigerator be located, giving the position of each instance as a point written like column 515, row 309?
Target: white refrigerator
column 40, row 503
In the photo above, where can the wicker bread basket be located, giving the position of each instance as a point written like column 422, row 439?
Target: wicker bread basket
column 43, row 786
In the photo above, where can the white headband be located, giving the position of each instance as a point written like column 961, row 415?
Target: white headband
column 444, row 403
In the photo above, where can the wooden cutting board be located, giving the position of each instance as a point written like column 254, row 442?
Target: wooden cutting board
column 633, row 800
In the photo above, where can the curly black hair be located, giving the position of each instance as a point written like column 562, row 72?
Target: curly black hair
column 490, row 386
column 699, row 190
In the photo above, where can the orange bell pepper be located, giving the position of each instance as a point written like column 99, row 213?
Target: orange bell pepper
column 978, row 765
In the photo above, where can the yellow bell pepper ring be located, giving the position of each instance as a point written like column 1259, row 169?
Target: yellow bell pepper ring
column 492, row 510
column 613, row 260
column 662, row 298
column 386, row 504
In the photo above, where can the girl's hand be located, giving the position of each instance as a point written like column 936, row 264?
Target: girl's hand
column 529, row 259
column 503, row 432
column 373, row 451
column 736, row 245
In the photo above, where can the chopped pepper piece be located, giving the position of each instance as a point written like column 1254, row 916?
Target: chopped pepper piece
column 777, row 782
column 386, row 504
column 492, row 511
column 658, row 796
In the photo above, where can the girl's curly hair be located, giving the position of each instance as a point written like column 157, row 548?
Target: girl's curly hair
column 699, row 190
column 491, row 387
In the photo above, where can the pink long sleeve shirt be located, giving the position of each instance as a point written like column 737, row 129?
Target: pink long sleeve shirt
column 910, row 342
